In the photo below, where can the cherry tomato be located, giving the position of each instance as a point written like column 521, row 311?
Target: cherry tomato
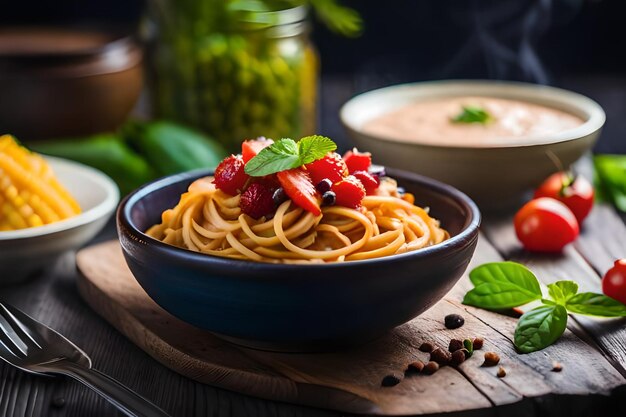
column 545, row 225
column 573, row 191
column 614, row 281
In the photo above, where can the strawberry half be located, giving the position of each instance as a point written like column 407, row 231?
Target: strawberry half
column 257, row 200
column 331, row 166
column 300, row 189
column 250, row 148
column 369, row 181
column 230, row 176
column 349, row 192
column 357, row 161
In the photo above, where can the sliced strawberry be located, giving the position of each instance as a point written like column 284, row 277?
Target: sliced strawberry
column 357, row 161
column 230, row 176
column 349, row 192
column 300, row 189
column 257, row 200
column 331, row 166
column 369, row 181
column 250, row 148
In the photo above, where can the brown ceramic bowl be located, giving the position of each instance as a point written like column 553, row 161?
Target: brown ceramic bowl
column 58, row 82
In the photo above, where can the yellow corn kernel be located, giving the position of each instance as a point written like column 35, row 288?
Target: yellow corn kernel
column 30, row 195
column 44, row 211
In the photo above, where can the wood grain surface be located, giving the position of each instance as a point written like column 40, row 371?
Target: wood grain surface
column 350, row 380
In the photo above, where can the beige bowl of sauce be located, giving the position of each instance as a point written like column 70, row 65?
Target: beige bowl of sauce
column 411, row 127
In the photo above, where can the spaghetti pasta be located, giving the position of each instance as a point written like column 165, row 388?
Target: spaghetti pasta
column 207, row 220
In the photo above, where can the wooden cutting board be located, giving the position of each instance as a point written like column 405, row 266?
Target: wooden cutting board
column 350, row 380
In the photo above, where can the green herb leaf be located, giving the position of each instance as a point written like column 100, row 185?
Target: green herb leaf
column 473, row 114
column 595, row 305
column 561, row 291
column 611, row 177
column 279, row 156
column 338, row 18
column 287, row 154
column 540, row 327
column 312, row 148
column 502, row 285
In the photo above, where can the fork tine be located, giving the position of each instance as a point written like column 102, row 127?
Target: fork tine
column 8, row 342
column 20, row 330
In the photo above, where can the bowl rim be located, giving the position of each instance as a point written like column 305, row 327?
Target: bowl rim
column 233, row 266
column 89, row 216
column 596, row 120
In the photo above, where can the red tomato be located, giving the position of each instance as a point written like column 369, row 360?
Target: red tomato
column 614, row 281
column 545, row 225
column 573, row 191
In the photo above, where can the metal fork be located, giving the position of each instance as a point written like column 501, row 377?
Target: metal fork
column 33, row 347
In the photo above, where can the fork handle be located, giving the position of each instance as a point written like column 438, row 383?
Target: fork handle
column 127, row 401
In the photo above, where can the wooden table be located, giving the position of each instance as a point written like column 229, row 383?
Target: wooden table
column 595, row 348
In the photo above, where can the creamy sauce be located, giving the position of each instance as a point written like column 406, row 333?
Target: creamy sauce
column 429, row 121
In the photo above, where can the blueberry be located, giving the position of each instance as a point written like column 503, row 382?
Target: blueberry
column 324, row 185
column 401, row 190
column 279, row 196
column 328, row 198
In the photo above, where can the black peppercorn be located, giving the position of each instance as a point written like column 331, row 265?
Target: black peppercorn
column 458, row 357
column 478, row 343
column 454, row 321
column 426, row 347
column 431, row 367
column 455, row 344
column 442, row 357
column 414, row 367
column 390, row 380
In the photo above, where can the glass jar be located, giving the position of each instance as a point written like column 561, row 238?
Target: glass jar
column 234, row 74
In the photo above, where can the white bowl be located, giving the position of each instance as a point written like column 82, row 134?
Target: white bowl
column 496, row 174
column 25, row 251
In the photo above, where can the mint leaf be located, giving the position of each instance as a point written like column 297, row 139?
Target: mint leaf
column 312, row 148
column 287, row 154
column 561, row 291
column 595, row 305
column 539, row 328
column 279, row 156
column 502, row 285
column 473, row 114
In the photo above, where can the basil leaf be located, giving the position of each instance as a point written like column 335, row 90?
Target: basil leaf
column 498, row 295
column 595, row 305
column 279, row 156
column 539, row 328
column 561, row 291
column 312, row 148
column 511, row 273
column 472, row 114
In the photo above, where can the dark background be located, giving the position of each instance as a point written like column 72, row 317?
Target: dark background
column 577, row 44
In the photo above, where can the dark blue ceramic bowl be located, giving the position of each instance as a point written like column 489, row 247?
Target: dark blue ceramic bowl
column 296, row 307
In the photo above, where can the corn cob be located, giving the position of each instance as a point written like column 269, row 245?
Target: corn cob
column 30, row 195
